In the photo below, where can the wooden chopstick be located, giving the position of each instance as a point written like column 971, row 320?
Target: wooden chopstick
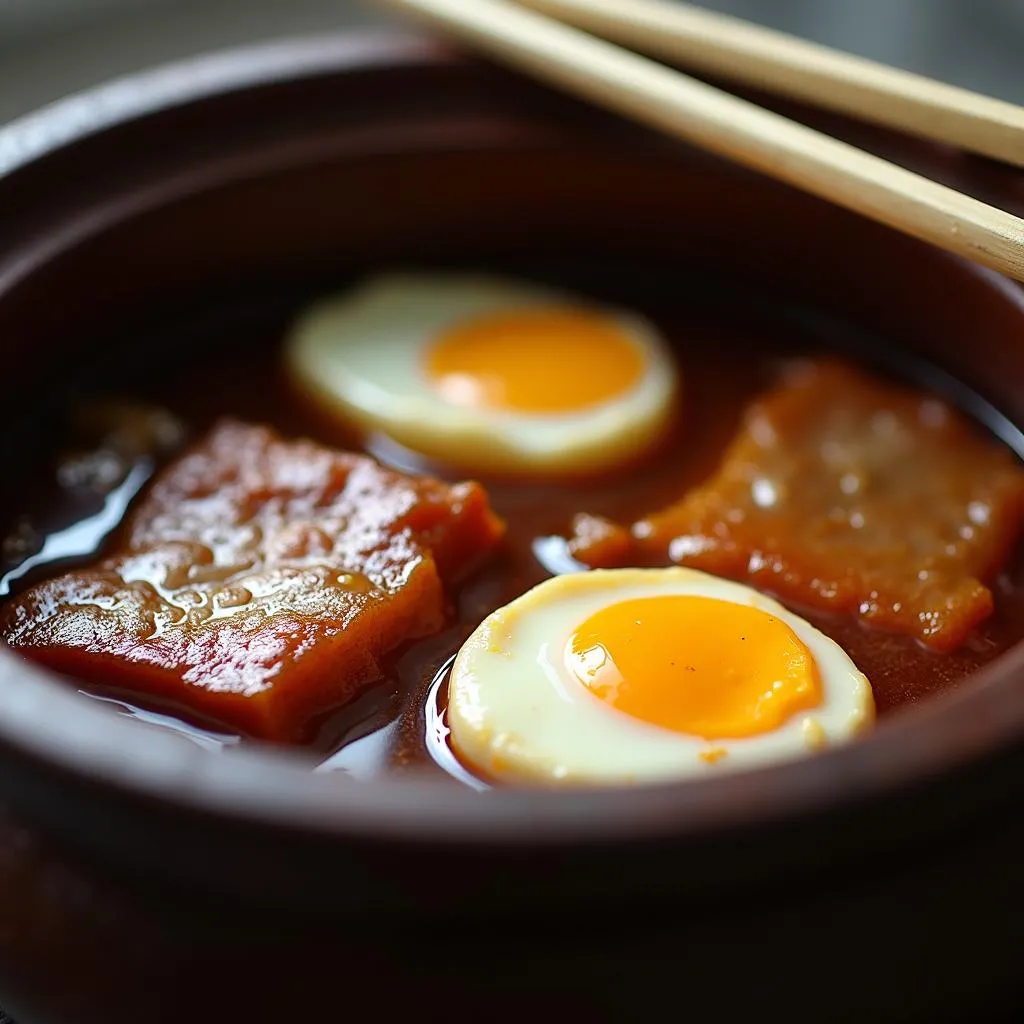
column 734, row 128
column 739, row 51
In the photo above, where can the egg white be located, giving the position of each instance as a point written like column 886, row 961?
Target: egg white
column 361, row 355
column 516, row 713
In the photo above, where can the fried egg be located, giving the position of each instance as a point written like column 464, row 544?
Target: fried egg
column 642, row 675
column 487, row 373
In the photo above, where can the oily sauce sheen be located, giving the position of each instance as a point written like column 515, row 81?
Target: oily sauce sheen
column 228, row 363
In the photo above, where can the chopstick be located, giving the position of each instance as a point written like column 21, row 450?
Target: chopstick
column 775, row 62
column 741, row 131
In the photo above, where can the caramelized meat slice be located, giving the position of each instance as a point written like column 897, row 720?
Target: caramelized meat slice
column 598, row 542
column 260, row 581
column 850, row 494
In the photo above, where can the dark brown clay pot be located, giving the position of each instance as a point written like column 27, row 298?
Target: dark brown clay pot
column 144, row 879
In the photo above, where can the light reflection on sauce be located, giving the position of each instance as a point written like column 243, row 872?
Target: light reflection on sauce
column 203, row 737
column 553, row 554
column 437, row 731
column 364, row 758
column 396, row 456
column 82, row 538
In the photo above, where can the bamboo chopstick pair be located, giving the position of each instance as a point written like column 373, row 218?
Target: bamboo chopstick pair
column 558, row 52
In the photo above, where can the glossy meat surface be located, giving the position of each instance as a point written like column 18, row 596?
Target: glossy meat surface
column 260, row 581
column 850, row 494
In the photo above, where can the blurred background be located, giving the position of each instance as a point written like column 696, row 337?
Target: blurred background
column 49, row 48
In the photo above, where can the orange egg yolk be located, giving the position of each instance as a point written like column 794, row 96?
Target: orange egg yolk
column 540, row 360
column 697, row 665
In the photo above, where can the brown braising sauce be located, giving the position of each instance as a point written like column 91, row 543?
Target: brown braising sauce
column 227, row 363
